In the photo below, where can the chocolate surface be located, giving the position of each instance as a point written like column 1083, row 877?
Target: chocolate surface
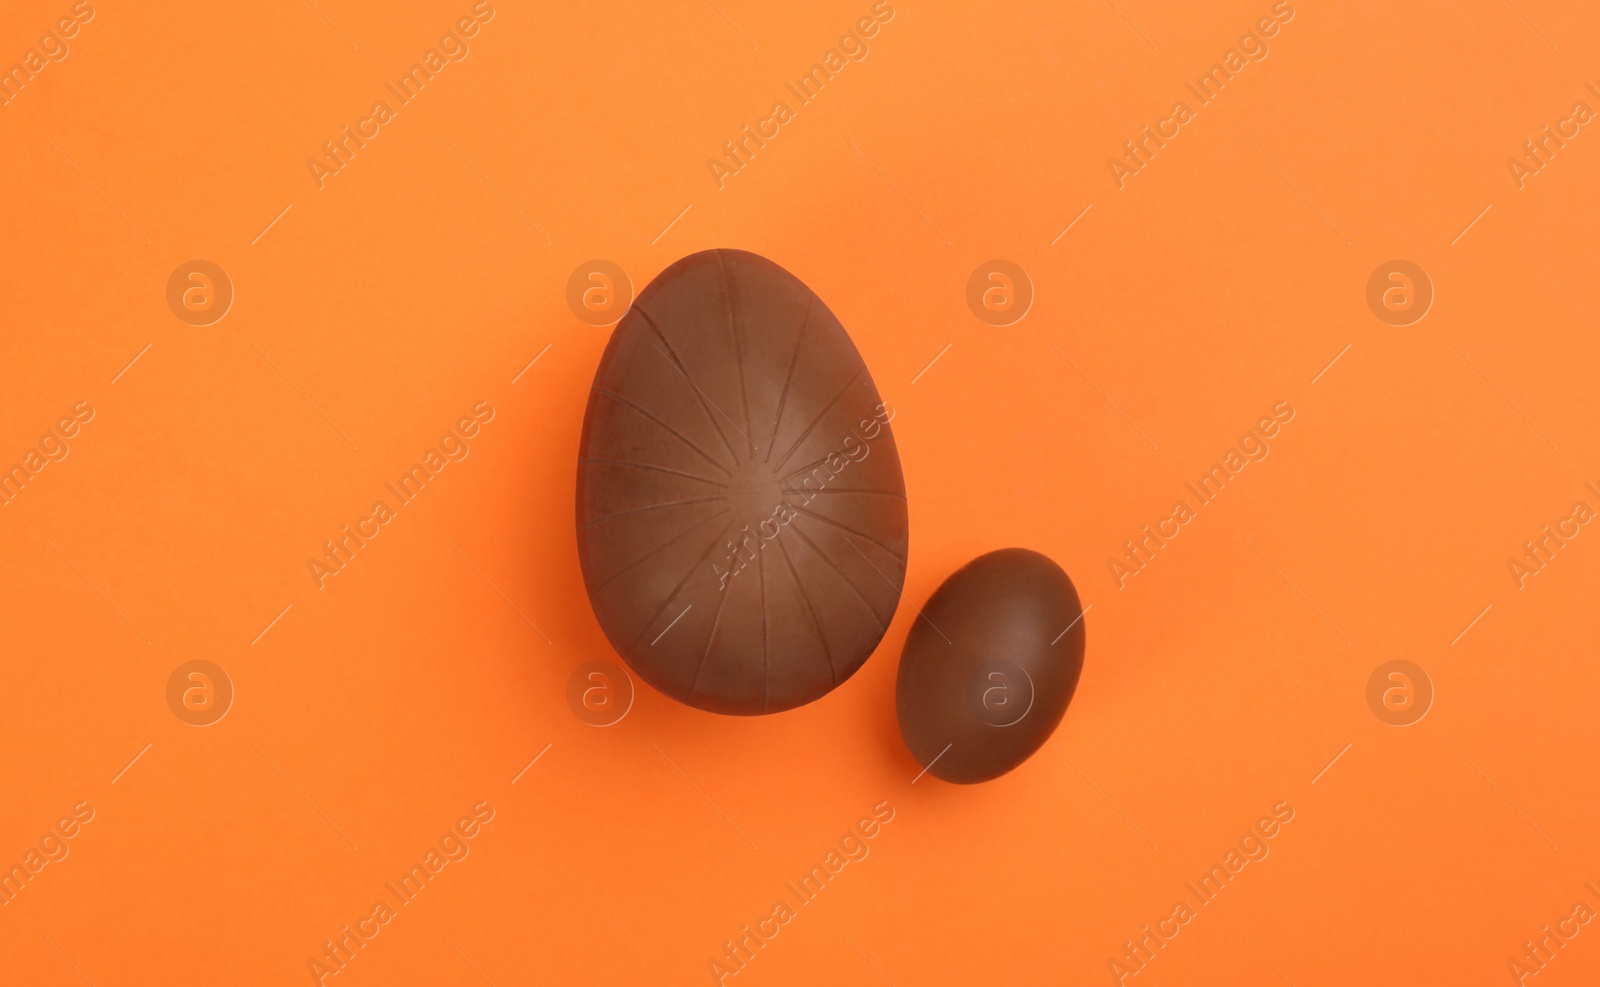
column 986, row 677
column 741, row 510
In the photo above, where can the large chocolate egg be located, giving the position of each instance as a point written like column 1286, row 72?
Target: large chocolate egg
column 989, row 668
column 741, row 511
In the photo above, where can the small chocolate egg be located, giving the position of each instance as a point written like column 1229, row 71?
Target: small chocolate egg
column 990, row 665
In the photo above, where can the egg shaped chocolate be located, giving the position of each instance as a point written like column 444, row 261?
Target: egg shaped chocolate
column 989, row 668
column 741, row 511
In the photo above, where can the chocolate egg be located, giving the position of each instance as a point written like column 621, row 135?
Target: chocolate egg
column 740, row 506
column 990, row 666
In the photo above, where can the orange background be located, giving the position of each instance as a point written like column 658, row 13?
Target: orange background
column 1221, row 280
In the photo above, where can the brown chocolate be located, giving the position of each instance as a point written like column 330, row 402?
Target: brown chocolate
column 989, row 668
column 741, row 510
